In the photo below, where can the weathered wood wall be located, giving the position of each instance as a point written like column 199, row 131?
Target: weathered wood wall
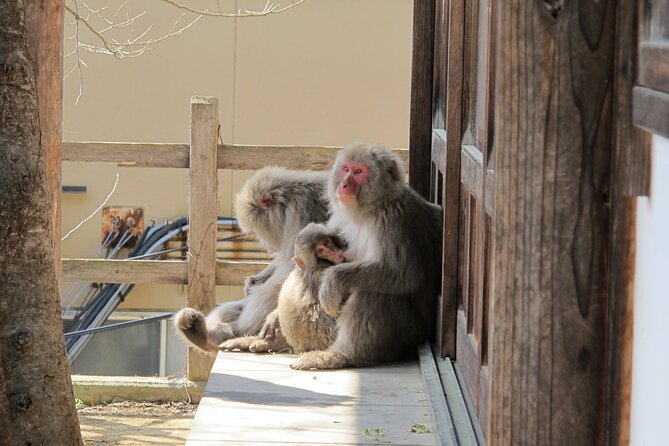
column 553, row 142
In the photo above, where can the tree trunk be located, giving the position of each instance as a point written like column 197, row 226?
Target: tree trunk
column 36, row 400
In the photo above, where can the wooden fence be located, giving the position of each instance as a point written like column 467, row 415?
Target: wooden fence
column 203, row 157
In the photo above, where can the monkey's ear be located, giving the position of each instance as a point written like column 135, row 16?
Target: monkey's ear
column 266, row 201
column 299, row 262
column 395, row 170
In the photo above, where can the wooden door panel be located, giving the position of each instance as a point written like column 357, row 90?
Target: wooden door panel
column 460, row 175
column 476, row 210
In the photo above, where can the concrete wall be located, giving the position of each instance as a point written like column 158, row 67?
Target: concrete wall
column 650, row 365
column 323, row 73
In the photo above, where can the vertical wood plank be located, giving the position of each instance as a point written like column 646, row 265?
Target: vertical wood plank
column 45, row 20
column 202, row 219
column 630, row 177
column 632, row 150
column 420, row 127
column 553, row 139
column 451, row 193
column 620, row 327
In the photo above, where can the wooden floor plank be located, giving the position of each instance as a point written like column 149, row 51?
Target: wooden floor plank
column 258, row 399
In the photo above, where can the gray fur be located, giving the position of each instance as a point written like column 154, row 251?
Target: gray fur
column 302, row 323
column 299, row 198
column 393, row 276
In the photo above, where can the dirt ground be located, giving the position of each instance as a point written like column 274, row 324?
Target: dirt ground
column 128, row 423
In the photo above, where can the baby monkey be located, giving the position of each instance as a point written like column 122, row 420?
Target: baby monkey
column 303, row 325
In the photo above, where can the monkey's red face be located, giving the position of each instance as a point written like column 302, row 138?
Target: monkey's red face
column 327, row 250
column 353, row 176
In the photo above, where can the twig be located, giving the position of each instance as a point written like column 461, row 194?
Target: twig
column 95, row 211
column 270, row 8
column 102, row 22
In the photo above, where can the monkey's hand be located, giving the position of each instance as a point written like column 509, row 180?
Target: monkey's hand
column 331, row 293
column 271, row 329
column 259, row 278
column 249, row 282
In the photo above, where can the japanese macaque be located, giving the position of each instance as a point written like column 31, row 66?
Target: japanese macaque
column 303, row 325
column 275, row 204
column 392, row 273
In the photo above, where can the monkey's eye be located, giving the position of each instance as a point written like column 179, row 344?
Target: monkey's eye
column 357, row 171
column 346, row 169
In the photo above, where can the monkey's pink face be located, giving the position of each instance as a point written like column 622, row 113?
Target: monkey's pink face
column 353, row 177
column 329, row 251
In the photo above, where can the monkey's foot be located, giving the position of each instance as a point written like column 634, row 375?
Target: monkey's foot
column 188, row 318
column 265, row 345
column 323, row 359
column 242, row 344
column 191, row 324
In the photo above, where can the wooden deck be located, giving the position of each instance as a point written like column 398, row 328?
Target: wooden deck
column 258, row 399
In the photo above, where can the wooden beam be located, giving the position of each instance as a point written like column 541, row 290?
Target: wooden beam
column 650, row 110
column 420, row 127
column 131, row 154
column 553, row 141
column 202, row 212
column 125, row 271
column 230, row 156
column 231, row 273
column 654, row 65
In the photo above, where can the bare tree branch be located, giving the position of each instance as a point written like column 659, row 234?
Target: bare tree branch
column 270, row 8
column 103, row 27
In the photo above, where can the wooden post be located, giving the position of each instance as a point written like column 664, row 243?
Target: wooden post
column 202, row 219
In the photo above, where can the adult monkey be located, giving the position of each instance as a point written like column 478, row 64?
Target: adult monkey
column 394, row 249
column 303, row 325
column 276, row 204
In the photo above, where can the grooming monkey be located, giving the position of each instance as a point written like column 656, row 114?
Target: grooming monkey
column 275, row 204
column 303, row 325
column 394, row 262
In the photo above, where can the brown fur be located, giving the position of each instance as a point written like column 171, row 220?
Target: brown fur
column 303, row 325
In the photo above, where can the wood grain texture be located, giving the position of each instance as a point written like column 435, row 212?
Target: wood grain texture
column 632, row 151
column 202, row 212
column 451, row 191
column 132, row 154
column 45, row 20
column 553, row 138
column 231, row 273
column 420, row 127
column 258, row 399
column 620, row 325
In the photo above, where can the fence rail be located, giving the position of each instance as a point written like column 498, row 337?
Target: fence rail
column 230, row 156
column 153, row 271
column 203, row 156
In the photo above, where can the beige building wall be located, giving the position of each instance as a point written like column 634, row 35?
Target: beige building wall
column 327, row 72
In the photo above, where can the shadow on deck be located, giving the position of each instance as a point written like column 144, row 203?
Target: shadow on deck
column 258, row 399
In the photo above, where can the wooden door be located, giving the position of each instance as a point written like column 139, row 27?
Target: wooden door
column 476, row 207
column 462, row 175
